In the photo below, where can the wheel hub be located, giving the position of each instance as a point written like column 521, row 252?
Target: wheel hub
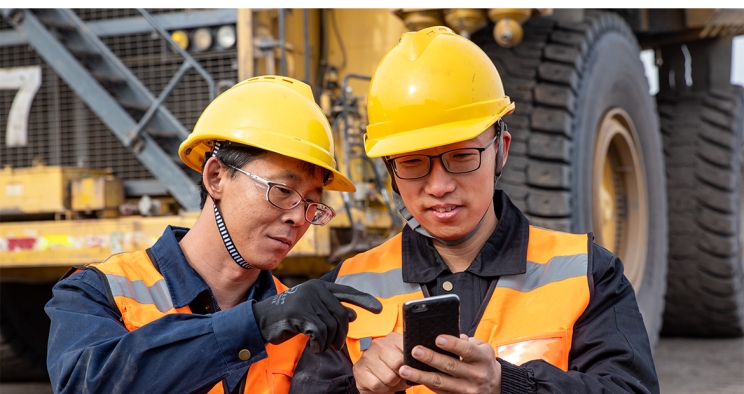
column 620, row 198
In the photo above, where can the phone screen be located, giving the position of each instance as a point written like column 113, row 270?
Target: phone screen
column 424, row 320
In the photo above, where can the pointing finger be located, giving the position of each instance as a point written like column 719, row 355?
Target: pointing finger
column 354, row 296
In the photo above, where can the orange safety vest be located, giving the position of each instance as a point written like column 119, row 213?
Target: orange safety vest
column 529, row 316
column 142, row 296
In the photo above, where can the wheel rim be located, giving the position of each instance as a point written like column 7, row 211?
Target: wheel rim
column 620, row 198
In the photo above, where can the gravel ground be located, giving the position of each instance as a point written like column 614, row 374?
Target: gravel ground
column 685, row 366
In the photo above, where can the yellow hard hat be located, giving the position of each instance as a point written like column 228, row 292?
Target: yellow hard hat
column 433, row 88
column 274, row 113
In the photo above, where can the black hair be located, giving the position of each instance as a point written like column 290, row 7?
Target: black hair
column 237, row 155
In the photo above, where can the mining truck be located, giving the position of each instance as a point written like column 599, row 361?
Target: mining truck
column 95, row 102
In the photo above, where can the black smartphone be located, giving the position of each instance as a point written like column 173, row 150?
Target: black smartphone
column 424, row 320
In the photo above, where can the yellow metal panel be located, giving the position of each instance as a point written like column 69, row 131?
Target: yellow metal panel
column 75, row 242
column 295, row 36
column 97, row 193
column 245, row 43
column 369, row 218
column 366, row 35
column 40, row 189
column 315, row 242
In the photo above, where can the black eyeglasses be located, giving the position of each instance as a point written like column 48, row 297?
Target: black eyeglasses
column 284, row 197
column 456, row 161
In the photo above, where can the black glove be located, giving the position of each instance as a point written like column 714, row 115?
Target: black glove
column 312, row 308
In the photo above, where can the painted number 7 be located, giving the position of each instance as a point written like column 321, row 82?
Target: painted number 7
column 27, row 81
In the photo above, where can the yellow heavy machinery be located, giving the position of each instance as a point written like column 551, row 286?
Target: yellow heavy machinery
column 94, row 103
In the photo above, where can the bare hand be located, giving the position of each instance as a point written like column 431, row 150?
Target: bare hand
column 377, row 370
column 476, row 372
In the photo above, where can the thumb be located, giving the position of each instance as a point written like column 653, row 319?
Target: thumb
column 353, row 296
column 352, row 314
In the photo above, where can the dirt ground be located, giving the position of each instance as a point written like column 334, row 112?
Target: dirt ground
column 684, row 366
column 706, row 366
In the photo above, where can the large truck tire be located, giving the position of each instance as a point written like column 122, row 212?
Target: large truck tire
column 24, row 329
column 586, row 153
column 703, row 140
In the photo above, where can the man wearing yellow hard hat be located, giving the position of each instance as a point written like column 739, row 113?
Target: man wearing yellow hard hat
column 540, row 311
column 199, row 311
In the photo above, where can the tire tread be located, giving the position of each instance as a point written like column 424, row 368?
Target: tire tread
column 705, row 295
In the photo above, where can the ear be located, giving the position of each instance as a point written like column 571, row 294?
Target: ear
column 502, row 152
column 505, row 143
column 212, row 177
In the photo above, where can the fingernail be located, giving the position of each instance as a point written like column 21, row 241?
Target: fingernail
column 418, row 352
column 441, row 341
column 405, row 372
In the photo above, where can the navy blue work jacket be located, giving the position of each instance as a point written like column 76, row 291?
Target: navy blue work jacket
column 90, row 350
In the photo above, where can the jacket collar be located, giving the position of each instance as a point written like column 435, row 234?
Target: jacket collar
column 504, row 253
column 184, row 283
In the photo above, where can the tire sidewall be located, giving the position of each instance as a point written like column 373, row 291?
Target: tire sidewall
column 614, row 77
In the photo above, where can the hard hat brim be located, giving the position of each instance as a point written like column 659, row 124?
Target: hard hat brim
column 430, row 137
column 194, row 150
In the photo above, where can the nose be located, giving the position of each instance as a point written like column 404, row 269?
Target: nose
column 295, row 216
column 439, row 182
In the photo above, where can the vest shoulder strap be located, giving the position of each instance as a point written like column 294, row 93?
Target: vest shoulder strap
column 380, row 259
column 138, row 289
column 545, row 244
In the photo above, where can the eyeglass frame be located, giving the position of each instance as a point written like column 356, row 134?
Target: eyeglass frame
column 269, row 184
column 439, row 156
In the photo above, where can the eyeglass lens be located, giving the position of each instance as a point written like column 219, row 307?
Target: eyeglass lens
column 455, row 161
column 287, row 198
column 283, row 197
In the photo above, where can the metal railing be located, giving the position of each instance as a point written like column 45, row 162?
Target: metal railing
column 189, row 63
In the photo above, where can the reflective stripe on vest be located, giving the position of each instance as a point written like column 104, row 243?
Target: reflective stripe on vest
column 528, row 317
column 157, row 294
column 383, row 285
column 142, row 296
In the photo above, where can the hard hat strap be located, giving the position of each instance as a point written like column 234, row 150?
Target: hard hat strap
column 221, row 226
column 500, row 152
column 229, row 245
column 391, row 172
column 217, row 146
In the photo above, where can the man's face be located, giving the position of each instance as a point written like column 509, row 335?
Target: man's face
column 450, row 205
column 263, row 233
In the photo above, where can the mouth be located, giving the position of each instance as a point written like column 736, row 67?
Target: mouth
column 283, row 240
column 444, row 212
column 443, row 209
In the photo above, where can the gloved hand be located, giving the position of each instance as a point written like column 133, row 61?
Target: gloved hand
column 312, row 308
